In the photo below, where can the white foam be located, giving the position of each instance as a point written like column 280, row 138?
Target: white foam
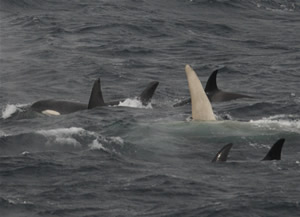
column 279, row 122
column 65, row 135
column 3, row 134
column 256, row 145
column 61, row 132
column 135, row 103
column 96, row 145
column 118, row 140
column 11, row 109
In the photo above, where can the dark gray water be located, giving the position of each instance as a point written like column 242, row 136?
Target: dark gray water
column 149, row 160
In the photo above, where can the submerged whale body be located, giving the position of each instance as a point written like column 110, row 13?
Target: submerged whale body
column 214, row 94
column 58, row 107
column 273, row 154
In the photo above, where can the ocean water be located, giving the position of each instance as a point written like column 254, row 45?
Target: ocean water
column 135, row 160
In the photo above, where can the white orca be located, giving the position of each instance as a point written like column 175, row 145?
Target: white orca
column 214, row 94
column 201, row 107
column 60, row 107
column 273, row 154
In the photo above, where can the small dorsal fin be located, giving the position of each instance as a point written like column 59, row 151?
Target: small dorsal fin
column 96, row 98
column 211, row 84
column 275, row 151
column 223, row 153
column 148, row 92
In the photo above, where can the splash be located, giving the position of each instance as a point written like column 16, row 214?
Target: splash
column 62, row 131
column 96, row 145
column 118, row 140
column 10, row 109
column 65, row 136
column 290, row 123
column 135, row 103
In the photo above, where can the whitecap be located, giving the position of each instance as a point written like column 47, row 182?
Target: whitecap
column 284, row 122
column 64, row 136
column 61, row 132
column 135, row 103
column 96, row 145
column 118, row 140
column 10, row 109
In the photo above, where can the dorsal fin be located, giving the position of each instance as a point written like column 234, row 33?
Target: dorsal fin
column 275, row 151
column 223, row 153
column 211, row 84
column 96, row 98
column 201, row 107
column 148, row 92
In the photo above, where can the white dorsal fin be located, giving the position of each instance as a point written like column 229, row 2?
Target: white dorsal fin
column 201, row 107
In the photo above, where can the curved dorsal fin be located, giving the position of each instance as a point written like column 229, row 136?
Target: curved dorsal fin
column 275, row 151
column 148, row 92
column 96, row 98
column 201, row 107
column 211, row 84
column 223, row 153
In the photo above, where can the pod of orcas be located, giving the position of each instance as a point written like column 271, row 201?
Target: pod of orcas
column 200, row 100
column 60, row 107
column 273, row 154
column 202, row 111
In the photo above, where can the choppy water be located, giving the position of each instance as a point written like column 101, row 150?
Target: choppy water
column 149, row 161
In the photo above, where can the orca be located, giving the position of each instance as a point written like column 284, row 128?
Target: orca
column 145, row 97
column 214, row 94
column 201, row 107
column 273, row 154
column 275, row 151
column 60, row 107
column 223, row 153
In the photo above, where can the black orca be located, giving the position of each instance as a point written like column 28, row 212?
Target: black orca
column 275, row 151
column 145, row 97
column 214, row 94
column 58, row 107
column 222, row 154
column 273, row 154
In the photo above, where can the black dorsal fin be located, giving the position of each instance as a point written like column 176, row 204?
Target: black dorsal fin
column 96, row 98
column 211, row 84
column 223, row 153
column 275, row 151
column 148, row 92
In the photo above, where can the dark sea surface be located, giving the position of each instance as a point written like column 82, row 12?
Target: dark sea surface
column 136, row 160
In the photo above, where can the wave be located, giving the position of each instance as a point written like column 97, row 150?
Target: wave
column 287, row 123
column 10, row 109
column 60, row 139
column 134, row 103
column 21, row 5
column 270, row 5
